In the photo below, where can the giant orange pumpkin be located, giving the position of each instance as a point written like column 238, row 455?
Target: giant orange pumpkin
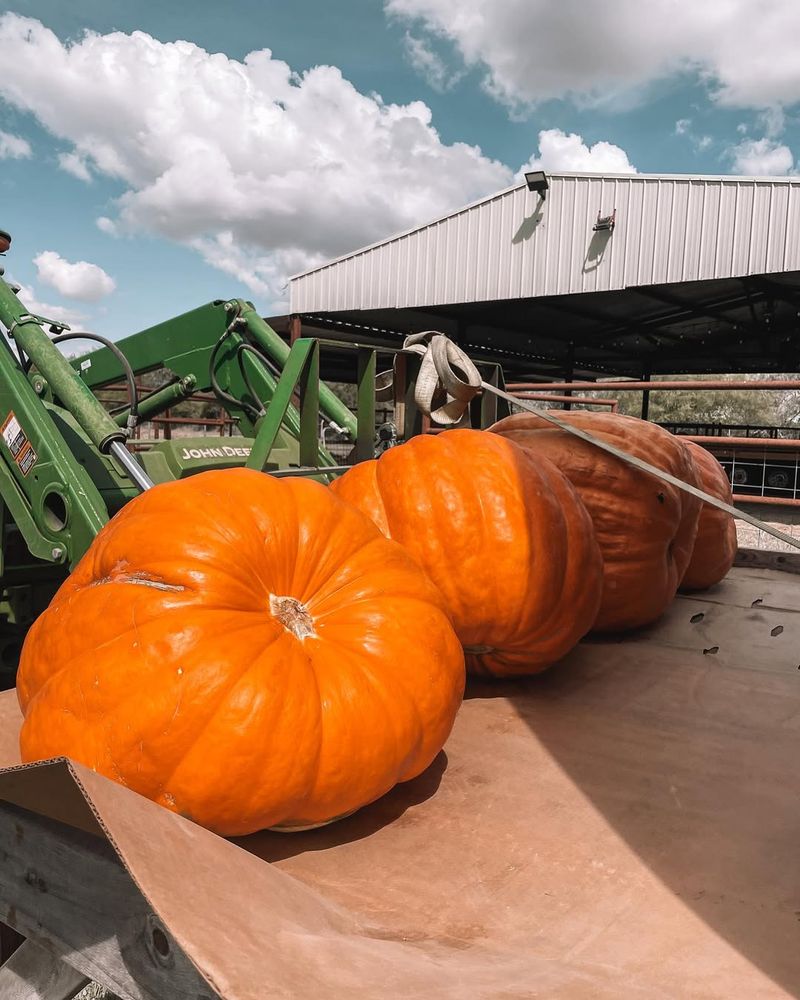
column 247, row 651
column 716, row 544
column 505, row 539
column 646, row 527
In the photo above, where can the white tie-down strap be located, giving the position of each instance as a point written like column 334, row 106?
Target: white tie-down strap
column 447, row 379
column 437, row 378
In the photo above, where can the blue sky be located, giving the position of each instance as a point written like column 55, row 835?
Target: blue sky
column 141, row 177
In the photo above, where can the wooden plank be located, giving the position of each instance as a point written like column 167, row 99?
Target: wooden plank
column 35, row 974
column 67, row 891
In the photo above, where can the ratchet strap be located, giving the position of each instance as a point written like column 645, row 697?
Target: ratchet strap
column 448, row 380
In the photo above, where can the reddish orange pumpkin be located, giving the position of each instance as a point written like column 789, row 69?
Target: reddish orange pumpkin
column 646, row 527
column 505, row 539
column 716, row 545
column 246, row 651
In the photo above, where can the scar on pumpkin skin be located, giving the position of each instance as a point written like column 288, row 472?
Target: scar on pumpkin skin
column 141, row 579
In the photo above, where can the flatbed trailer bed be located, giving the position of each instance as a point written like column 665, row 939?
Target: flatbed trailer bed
column 626, row 825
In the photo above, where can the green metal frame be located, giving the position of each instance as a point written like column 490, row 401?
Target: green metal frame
column 160, row 400
column 185, row 346
column 365, row 431
column 54, row 502
column 301, row 369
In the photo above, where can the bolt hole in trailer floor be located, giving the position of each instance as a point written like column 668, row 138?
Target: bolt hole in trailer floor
column 622, row 826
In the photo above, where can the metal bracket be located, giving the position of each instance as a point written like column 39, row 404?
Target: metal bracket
column 605, row 223
column 300, row 370
column 29, row 318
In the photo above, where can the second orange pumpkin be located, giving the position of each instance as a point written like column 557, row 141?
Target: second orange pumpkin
column 506, row 539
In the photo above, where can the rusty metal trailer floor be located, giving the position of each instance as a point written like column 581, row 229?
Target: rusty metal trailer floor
column 627, row 825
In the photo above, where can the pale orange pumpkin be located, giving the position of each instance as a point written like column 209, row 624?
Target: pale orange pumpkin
column 505, row 539
column 645, row 527
column 250, row 652
column 716, row 544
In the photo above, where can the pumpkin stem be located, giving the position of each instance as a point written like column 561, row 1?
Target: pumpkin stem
column 292, row 615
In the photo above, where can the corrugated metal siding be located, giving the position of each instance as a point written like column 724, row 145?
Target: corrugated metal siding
column 668, row 229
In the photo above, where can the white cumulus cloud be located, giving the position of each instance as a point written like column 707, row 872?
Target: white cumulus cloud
column 106, row 225
column 683, row 128
column 78, row 280
column 74, row 164
column 14, row 147
column 773, row 121
column 429, row 64
column 561, row 152
column 293, row 167
column 761, row 158
column 535, row 50
column 265, row 273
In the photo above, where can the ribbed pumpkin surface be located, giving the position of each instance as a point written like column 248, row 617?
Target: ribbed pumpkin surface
column 505, row 539
column 645, row 527
column 716, row 545
column 246, row 651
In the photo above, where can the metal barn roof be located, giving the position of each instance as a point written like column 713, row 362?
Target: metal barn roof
column 697, row 274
